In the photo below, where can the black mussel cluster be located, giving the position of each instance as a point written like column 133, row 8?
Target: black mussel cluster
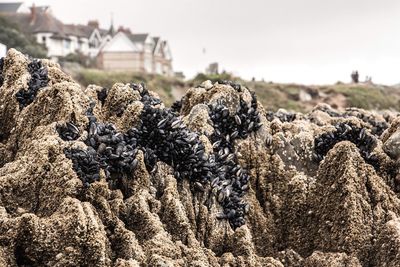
column 345, row 132
column 146, row 98
column 176, row 106
column 282, row 116
column 377, row 127
column 38, row 80
column 116, row 154
column 68, row 132
column 162, row 136
column 109, row 149
column 102, row 95
column 228, row 127
column 231, row 182
column 1, row 71
column 85, row 163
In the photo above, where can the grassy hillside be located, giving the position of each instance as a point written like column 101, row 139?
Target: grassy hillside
column 303, row 98
column 162, row 85
column 273, row 96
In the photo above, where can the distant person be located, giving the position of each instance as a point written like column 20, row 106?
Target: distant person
column 355, row 76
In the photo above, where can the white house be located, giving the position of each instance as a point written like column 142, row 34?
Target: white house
column 59, row 38
column 3, row 50
column 137, row 53
column 162, row 57
column 122, row 51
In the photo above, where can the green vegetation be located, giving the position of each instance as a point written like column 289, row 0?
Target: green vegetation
column 367, row 96
column 163, row 86
column 272, row 95
column 11, row 36
column 77, row 57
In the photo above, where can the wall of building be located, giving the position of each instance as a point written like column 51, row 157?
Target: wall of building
column 162, row 66
column 73, row 45
column 61, row 48
column 120, row 61
column 55, row 47
column 3, row 50
column 84, row 47
column 148, row 62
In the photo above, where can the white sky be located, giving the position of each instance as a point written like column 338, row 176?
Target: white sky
column 303, row 41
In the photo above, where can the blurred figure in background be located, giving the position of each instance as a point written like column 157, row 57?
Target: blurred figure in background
column 355, row 77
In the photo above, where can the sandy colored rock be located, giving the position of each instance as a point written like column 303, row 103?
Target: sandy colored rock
column 320, row 259
column 392, row 145
column 342, row 211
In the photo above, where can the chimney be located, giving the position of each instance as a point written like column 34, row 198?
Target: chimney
column 123, row 29
column 93, row 23
column 33, row 13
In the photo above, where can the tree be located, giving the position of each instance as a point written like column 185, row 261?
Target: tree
column 13, row 37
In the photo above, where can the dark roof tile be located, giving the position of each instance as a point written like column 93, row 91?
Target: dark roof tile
column 138, row 38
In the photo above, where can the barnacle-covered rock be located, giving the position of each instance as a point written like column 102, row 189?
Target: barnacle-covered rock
column 320, row 259
column 392, row 145
column 112, row 177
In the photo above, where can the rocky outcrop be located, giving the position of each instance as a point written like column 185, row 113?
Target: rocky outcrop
column 214, row 182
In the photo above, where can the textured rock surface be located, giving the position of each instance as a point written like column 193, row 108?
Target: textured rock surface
column 342, row 211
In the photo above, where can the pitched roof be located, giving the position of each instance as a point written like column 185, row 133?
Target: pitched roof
column 9, row 7
column 138, row 38
column 156, row 39
column 78, row 30
column 104, row 32
column 41, row 20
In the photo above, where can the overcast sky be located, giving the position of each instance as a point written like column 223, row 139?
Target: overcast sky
column 303, row 41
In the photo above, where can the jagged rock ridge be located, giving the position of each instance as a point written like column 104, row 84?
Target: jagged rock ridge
column 339, row 208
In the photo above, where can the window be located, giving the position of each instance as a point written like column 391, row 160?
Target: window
column 44, row 39
column 67, row 44
column 94, row 43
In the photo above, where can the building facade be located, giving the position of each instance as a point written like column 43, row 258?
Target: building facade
column 3, row 50
column 136, row 53
column 60, row 39
column 123, row 51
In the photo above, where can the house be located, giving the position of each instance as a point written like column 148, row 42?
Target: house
column 9, row 7
column 87, row 39
column 3, row 50
column 212, row 69
column 59, row 38
column 162, row 58
column 136, row 53
column 123, row 51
